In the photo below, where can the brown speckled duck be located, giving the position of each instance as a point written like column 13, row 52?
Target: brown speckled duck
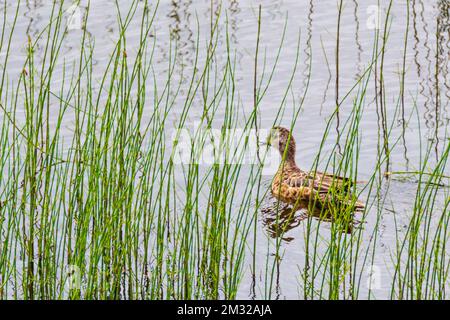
column 295, row 186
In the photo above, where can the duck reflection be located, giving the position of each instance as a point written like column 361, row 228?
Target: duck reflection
column 279, row 220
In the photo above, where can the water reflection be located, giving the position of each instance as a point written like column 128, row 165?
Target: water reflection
column 233, row 16
column 34, row 18
column 444, row 31
column 442, row 56
column 426, row 73
column 279, row 220
column 307, row 50
column 182, row 35
column 180, row 27
column 444, row 53
column 327, row 87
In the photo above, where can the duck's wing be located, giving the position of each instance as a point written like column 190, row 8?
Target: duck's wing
column 304, row 182
column 327, row 180
column 296, row 178
column 304, row 185
column 317, row 181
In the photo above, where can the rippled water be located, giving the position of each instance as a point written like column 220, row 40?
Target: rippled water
column 427, row 84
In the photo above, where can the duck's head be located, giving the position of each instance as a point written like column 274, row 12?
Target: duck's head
column 281, row 139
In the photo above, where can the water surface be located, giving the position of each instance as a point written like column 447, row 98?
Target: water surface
column 427, row 82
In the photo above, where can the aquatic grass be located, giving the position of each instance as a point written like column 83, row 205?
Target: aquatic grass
column 107, row 212
column 421, row 265
column 341, row 256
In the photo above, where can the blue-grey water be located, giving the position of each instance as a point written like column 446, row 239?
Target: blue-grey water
column 427, row 96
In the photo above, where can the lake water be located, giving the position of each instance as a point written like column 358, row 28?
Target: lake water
column 427, row 84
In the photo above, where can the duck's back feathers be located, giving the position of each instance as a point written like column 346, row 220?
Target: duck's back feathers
column 292, row 185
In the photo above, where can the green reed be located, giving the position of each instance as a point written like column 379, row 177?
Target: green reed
column 108, row 213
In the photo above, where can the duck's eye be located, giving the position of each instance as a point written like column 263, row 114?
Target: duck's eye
column 281, row 145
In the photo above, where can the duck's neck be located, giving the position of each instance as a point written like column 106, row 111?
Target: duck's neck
column 289, row 161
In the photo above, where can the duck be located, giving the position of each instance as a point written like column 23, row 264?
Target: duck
column 327, row 193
